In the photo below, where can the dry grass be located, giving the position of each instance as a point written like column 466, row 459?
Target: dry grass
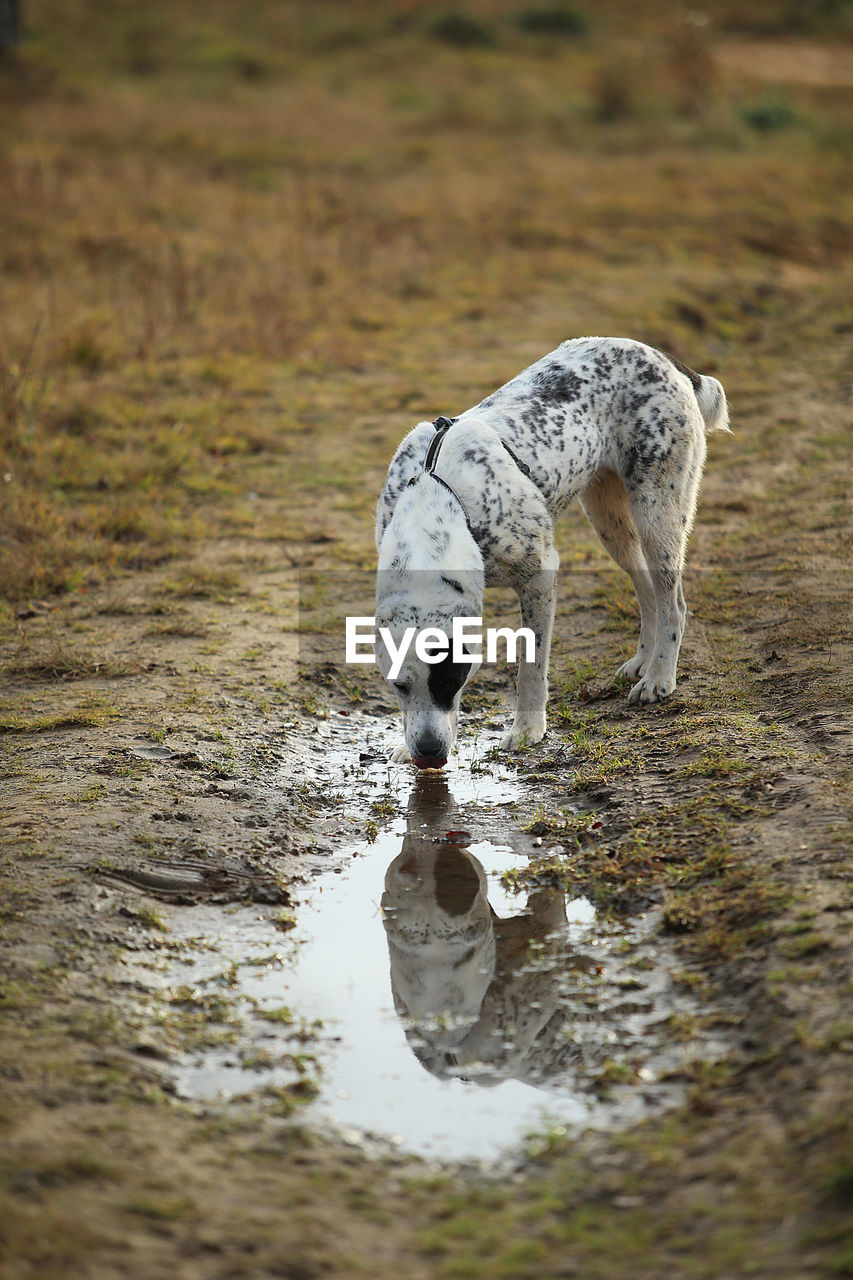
column 229, row 237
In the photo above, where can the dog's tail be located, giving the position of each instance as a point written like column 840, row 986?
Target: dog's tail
column 711, row 399
column 710, row 396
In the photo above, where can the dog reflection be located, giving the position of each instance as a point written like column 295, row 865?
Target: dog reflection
column 480, row 996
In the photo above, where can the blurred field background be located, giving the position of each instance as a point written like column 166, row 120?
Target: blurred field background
column 244, row 247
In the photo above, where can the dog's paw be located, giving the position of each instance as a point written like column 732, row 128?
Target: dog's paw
column 632, row 668
column 520, row 737
column 651, row 689
column 400, row 755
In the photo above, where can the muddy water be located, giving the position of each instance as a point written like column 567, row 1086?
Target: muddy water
column 438, row 1006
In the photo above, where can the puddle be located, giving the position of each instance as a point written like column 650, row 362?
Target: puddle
column 448, row 1013
column 349, row 756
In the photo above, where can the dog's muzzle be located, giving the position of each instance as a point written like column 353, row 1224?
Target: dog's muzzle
column 429, row 762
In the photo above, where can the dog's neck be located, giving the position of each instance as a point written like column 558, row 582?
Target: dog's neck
column 428, row 559
column 449, row 487
column 429, row 531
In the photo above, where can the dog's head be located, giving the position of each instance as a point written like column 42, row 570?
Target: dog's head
column 415, row 653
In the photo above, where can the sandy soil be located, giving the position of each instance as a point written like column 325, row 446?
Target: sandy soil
column 150, row 794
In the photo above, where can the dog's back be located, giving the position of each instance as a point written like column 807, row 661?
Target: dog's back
column 598, row 404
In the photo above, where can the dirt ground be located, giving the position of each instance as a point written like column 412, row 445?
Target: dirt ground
column 190, row 471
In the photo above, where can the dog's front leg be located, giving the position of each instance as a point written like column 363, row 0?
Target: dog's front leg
column 538, row 600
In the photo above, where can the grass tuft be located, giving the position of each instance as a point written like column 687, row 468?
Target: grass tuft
column 91, row 711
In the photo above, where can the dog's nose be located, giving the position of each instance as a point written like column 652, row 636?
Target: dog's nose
column 429, row 752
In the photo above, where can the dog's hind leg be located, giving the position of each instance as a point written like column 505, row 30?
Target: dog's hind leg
column 538, row 599
column 663, row 504
column 608, row 510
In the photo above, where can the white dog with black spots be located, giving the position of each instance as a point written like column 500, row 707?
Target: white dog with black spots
column 470, row 502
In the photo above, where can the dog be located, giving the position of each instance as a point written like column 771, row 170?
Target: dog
column 471, row 501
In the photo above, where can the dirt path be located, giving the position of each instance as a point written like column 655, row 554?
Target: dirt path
column 153, row 770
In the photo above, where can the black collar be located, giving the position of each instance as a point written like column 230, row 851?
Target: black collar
column 442, row 426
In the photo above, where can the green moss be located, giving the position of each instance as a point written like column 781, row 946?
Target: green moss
column 281, row 1015
column 150, row 918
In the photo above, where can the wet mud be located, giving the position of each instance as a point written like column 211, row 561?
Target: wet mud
column 424, row 992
